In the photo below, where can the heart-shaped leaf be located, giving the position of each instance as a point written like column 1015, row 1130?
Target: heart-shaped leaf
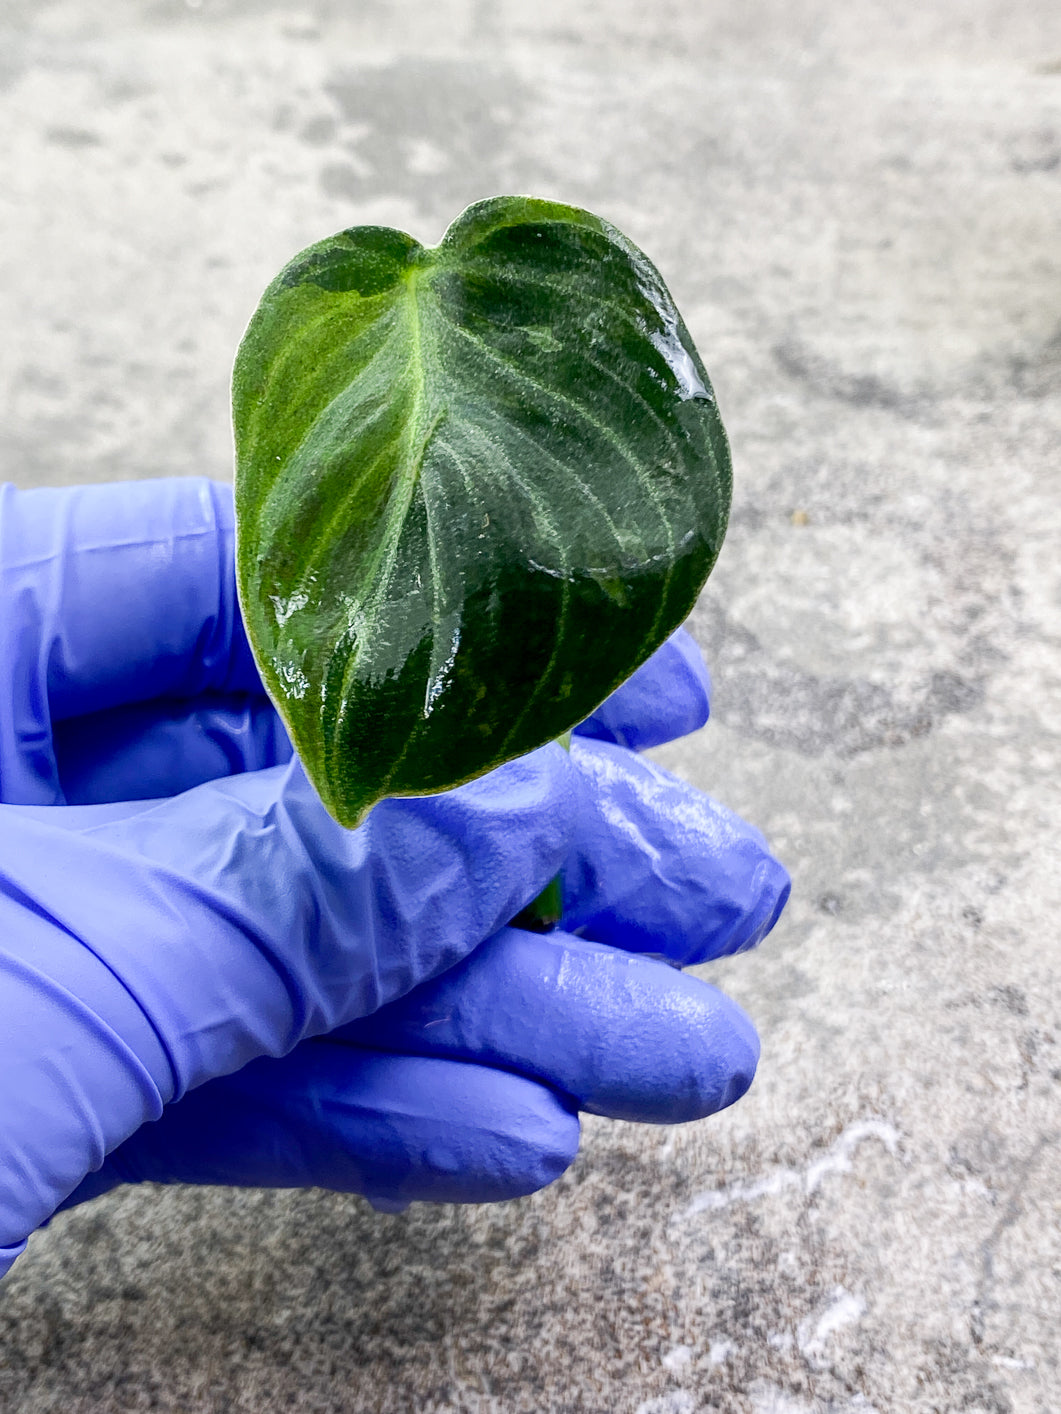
column 477, row 485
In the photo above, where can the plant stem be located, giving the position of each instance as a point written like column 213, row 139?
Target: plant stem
column 544, row 913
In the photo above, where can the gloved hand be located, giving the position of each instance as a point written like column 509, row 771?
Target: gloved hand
column 151, row 947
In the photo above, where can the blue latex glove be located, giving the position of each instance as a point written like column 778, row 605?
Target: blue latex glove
column 150, row 948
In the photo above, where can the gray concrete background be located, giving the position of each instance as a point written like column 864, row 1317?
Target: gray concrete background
column 857, row 207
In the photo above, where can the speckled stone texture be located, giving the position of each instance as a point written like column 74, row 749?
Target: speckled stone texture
column 858, row 208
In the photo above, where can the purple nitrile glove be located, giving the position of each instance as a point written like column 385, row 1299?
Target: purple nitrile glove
column 150, row 948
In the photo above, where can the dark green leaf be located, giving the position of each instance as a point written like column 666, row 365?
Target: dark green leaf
column 477, row 485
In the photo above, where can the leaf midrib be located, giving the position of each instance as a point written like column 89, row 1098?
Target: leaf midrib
column 412, row 463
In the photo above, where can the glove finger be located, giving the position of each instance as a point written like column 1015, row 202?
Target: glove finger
column 659, row 867
column 453, row 1113
column 623, row 1036
column 267, row 921
column 135, row 591
column 148, row 750
column 112, row 594
column 397, row 1129
column 668, row 697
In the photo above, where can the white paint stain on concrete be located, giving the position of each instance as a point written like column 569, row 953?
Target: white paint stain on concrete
column 679, row 1401
column 844, row 1309
column 768, row 1398
column 837, row 1160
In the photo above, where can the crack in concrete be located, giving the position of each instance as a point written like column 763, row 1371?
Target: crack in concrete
column 983, row 1302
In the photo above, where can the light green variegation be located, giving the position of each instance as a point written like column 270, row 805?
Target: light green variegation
column 477, row 485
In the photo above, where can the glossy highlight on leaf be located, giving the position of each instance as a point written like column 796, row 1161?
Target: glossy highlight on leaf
column 477, row 485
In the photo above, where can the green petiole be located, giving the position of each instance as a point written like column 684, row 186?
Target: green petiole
column 544, row 913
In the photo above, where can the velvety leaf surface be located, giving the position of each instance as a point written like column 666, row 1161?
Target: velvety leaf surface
column 477, row 485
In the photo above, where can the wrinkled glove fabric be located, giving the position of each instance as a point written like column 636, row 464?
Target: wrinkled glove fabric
column 204, row 979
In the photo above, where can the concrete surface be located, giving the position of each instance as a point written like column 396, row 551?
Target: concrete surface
column 857, row 207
